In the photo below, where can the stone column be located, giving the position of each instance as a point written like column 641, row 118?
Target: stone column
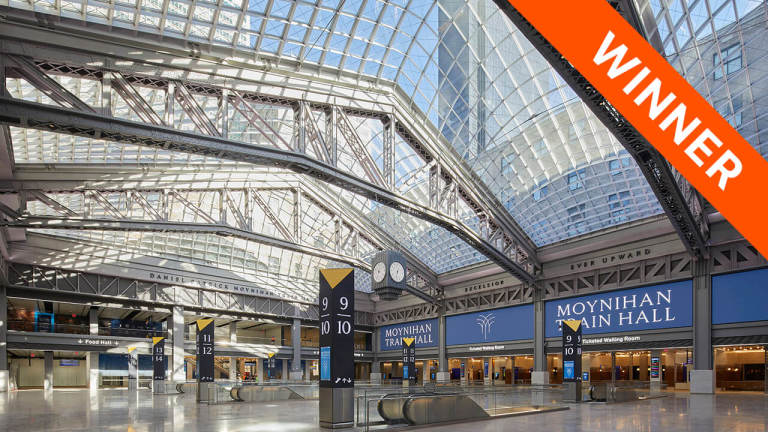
column 425, row 372
column 93, row 321
column 375, row 363
column 93, row 370
column 443, row 375
column 613, row 369
column 540, row 373
column 631, row 366
column 702, row 375
column 262, row 378
column 176, row 337
column 233, row 368
column 4, row 370
column 512, row 368
column 233, row 332
column 48, row 374
column 285, row 370
column 308, row 370
column 296, row 373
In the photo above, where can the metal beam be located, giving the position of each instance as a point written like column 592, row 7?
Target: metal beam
column 77, row 223
column 289, row 88
column 677, row 197
column 44, row 117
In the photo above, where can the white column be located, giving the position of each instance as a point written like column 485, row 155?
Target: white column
column 93, row 370
column 48, row 374
column 296, row 373
column 93, row 321
column 285, row 370
column 176, row 330
column 233, row 332
column 308, row 370
column 233, row 368
column 260, row 371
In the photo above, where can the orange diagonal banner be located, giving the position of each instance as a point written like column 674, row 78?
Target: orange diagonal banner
column 660, row 104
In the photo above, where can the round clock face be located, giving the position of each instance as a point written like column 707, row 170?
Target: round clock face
column 396, row 272
column 379, row 271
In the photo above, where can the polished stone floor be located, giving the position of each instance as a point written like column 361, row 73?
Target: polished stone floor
column 115, row 410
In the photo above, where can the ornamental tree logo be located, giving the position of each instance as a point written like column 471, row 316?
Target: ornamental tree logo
column 485, row 321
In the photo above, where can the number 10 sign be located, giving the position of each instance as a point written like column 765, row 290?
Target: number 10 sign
column 337, row 314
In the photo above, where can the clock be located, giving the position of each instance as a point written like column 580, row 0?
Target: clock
column 388, row 274
column 379, row 271
column 396, row 271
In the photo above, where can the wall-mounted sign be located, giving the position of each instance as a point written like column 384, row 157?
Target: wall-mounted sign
column 486, row 348
column 734, row 297
column 195, row 281
column 485, row 286
column 424, row 332
column 204, row 347
column 571, row 350
column 158, row 358
column 496, row 325
column 337, row 311
column 655, row 307
column 611, row 340
column 98, row 342
column 620, row 257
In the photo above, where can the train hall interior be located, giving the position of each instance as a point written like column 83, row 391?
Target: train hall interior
column 303, row 215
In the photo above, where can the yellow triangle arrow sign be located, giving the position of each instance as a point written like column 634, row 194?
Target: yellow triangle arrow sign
column 156, row 339
column 203, row 323
column 573, row 324
column 408, row 341
column 334, row 276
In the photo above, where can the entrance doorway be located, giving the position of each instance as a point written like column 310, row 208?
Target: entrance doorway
column 740, row 368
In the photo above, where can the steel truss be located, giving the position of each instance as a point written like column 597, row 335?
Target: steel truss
column 169, row 210
column 55, row 284
column 314, row 150
column 680, row 200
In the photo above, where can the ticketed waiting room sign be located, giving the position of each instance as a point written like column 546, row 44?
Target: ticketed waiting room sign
column 680, row 124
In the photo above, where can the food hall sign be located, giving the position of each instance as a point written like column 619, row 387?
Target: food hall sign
column 655, row 307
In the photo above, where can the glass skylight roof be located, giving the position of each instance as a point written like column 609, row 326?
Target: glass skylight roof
column 498, row 103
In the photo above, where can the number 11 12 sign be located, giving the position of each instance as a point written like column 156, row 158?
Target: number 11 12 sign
column 337, row 325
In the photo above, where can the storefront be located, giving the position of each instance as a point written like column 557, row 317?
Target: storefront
column 740, row 330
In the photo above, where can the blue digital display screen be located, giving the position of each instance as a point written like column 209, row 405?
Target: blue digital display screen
column 568, row 370
column 325, row 363
column 738, row 297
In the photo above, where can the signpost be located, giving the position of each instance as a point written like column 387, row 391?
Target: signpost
column 572, row 360
column 409, row 361
column 133, row 369
column 337, row 365
column 271, row 360
column 158, row 364
column 205, row 353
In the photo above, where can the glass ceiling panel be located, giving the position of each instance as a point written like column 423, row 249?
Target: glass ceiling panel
column 724, row 59
column 499, row 104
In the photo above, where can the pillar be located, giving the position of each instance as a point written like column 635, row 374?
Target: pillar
column 233, row 368
column 540, row 373
column 93, row 321
column 4, row 370
column 425, row 372
column 92, row 359
column 133, row 370
column 308, row 370
column 233, row 332
column 375, row 364
column 262, row 378
column 48, row 374
column 443, row 376
column 631, row 366
column 284, row 376
column 613, row 368
column 643, row 366
column 176, row 337
column 512, row 368
column 702, row 375
column 296, row 374
column 765, row 350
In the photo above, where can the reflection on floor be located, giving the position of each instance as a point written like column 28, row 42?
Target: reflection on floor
column 116, row 410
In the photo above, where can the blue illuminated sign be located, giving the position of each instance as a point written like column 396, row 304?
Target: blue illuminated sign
column 325, row 363
column 568, row 370
column 405, row 372
column 739, row 297
column 497, row 325
column 655, row 307
column 425, row 332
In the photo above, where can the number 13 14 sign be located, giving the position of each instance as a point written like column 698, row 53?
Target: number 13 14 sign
column 337, row 325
